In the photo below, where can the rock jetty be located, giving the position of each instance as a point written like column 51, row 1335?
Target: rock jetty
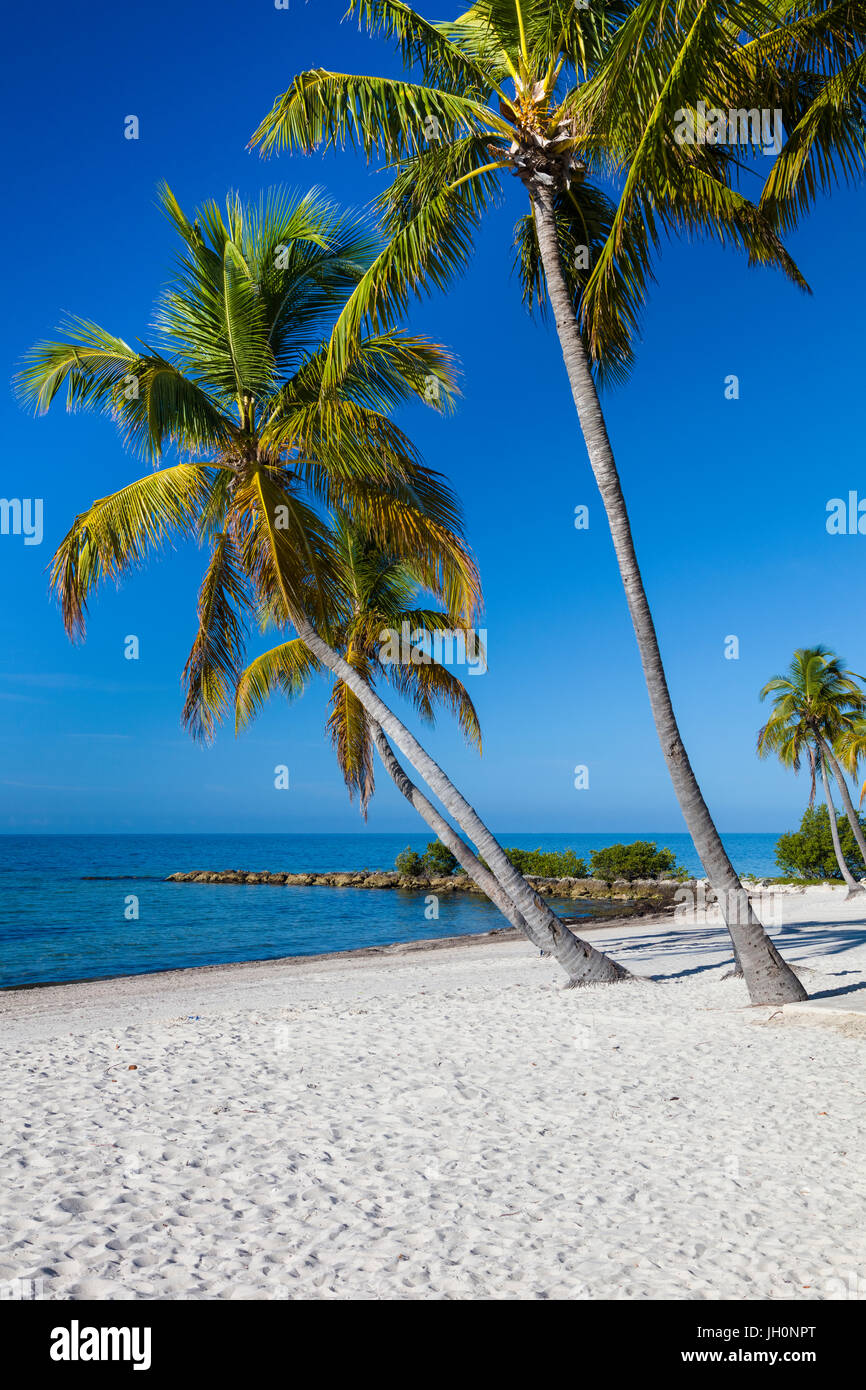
column 654, row 894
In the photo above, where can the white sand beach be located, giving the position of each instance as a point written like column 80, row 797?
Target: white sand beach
column 442, row 1124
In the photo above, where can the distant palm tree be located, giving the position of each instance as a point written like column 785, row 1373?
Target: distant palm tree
column 816, row 706
column 553, row 92
column 236, row 385
column 378, row 595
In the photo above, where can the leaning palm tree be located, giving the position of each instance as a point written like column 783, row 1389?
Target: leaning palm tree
column 557, row 94
column 234, row 383
column 816, row 706
column 379, row 598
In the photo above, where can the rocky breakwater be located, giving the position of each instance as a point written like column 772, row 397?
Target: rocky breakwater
column 636, row 895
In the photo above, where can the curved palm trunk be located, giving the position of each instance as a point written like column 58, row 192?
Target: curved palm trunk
column 768, row 978
column 853, row 885
column 449, row 837
column 853, row 818
column 582, row 963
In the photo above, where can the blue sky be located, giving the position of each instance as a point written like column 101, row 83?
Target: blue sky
column 727, row 498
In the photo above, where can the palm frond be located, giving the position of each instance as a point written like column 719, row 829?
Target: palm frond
column 214, row 664
column 426, row 254
column 435, row 49
column 286, row 670
column 351, row 736
column 826, row 148
column 284, row 548
column 374, row 114
column 382, row 372
column 149, row 397
column 428, row 686
column 115, row 534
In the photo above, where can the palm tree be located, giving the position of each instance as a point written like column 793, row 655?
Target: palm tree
column 789, row 740
column 552, row 92
column 236, row 386
column 816, row 706
column 378, row 595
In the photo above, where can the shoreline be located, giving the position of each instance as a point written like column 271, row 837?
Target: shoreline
column 356, row 953
column 634, row 912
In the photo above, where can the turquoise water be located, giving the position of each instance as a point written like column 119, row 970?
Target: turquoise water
column 55, row 925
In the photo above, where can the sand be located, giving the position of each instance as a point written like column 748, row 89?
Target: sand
column 443, row 1124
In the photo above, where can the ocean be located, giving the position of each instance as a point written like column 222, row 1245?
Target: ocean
column 55, row 925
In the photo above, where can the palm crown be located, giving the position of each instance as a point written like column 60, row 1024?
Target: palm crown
column 234, row 386
column 379, row 592
column 818, row 700
column 562, row 96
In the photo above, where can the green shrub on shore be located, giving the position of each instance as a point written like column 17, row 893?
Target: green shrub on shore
column 554, row 863
column 807, row 853
column 641, row 859
column 438, row 860
column 409, row 863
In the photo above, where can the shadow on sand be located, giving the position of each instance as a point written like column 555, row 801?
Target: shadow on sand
column 794, row 940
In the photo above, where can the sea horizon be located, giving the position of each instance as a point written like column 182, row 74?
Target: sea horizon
column 357, row 834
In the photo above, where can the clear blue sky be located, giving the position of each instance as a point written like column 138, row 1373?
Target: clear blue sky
column 727, row 497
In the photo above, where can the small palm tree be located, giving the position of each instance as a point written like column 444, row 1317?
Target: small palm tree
column 816, row 706
column 379, row 597
column 560, row 95
column 235, row 386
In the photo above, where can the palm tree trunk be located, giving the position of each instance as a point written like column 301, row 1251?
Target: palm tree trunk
column 581, row 962
column 853, row 818
column 768, row 978
column 853, row 885
column 449, row 837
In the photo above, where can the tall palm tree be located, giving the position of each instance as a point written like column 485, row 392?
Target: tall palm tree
column 236, row 386
column 379, row 594
column 815, row 706
column 552, row 93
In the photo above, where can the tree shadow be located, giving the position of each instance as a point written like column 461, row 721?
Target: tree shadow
column 840, row 936
column 681, row 942
column 859, row 988
column 794, row 939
